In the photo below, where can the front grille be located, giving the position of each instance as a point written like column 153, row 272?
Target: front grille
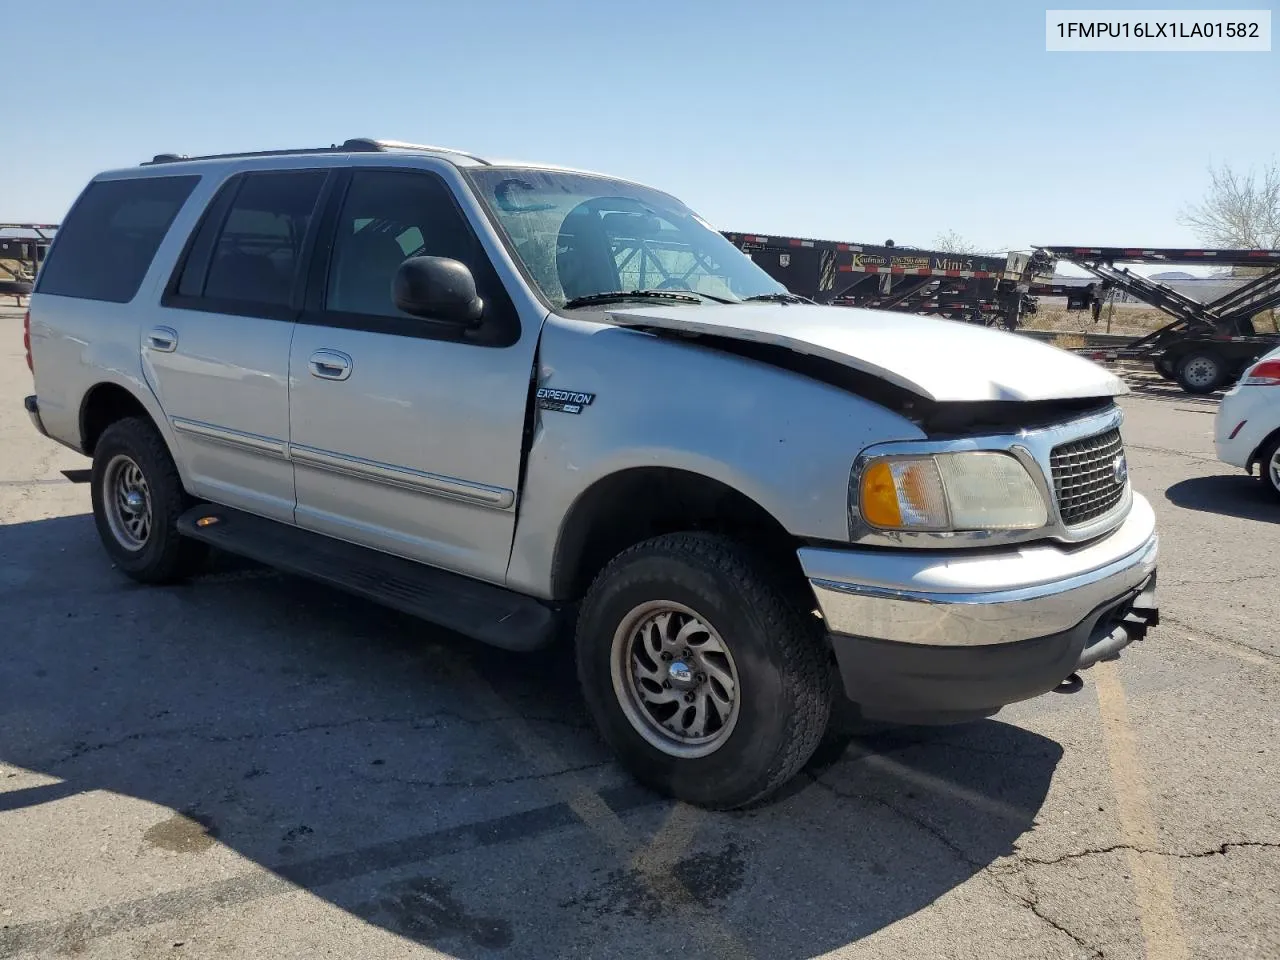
column 1089, row 476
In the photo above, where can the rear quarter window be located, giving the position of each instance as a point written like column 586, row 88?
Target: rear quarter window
column 106, row 244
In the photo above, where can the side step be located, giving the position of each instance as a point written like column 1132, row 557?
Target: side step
column 479, row 610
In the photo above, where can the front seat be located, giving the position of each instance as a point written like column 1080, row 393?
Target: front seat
column 366, row 267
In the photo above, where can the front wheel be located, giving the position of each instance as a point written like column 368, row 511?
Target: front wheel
column 710, row 683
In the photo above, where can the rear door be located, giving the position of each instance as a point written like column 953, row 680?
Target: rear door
column 94, row 288
column 217, row 350
column 407, row 437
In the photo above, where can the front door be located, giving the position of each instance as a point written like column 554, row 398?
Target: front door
column 217, row 350
column 407, row 437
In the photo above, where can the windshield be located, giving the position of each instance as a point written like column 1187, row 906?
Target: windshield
column 580, row 235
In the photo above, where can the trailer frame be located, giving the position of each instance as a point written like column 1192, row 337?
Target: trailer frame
column 1207, row 345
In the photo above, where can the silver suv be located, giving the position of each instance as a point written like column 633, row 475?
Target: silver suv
column 523, row 401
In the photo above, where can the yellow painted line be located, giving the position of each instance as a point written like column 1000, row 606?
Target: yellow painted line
column 1152, row 882
column 674, row 836
column 652, row 862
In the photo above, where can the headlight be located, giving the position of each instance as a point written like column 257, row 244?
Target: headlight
column 974, row 490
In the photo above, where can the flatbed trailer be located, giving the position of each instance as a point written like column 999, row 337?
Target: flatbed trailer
column 23, row 244
column 975, row 288
column 1206, row 345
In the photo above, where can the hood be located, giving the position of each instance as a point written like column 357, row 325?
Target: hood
column 942, row 360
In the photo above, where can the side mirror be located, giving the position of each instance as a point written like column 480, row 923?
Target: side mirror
column 437, row 288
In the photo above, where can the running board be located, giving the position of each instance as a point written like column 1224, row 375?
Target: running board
column 478, row 610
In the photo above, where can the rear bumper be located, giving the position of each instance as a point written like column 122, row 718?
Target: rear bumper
column 1241, row 413
column 32, row 406
column 943, row 636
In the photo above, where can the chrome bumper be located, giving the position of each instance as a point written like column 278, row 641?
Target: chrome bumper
column 979, row 597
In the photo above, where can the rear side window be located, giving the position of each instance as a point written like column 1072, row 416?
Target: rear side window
column 248, row 250
column 106, row 244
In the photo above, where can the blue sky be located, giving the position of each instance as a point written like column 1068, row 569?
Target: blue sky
column 841, row 120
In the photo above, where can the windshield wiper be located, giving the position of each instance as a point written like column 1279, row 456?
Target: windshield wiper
column 613, row 296
column 776, row 298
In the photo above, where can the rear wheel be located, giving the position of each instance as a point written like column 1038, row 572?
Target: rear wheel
column 1269, row 466
column 137, row 498
column 1201, row 372
column 1165, row 368
column 710, row 683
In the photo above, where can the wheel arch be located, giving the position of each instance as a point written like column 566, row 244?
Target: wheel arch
column 103, row 404
column 1255, row 458
column 626, row 507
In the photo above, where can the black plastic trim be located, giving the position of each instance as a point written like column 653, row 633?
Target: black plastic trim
column 474, row 608
column 927, row 684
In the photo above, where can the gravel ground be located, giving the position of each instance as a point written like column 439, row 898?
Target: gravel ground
column 249, row 766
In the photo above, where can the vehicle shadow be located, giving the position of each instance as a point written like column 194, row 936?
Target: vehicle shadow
column 428, row 785
column 1231, row 496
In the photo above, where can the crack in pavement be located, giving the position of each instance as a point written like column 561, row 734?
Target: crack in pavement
column 980, row 868
column 1196, row 633
column 417, row 722
column 1033, row 904
column 1218, row 583
column 1220, row 850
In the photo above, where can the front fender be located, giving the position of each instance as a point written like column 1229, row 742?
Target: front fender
column 783, row 440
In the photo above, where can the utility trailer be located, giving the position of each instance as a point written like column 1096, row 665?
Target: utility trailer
column 22, row 250
column 1207, row 345
column 986, row 289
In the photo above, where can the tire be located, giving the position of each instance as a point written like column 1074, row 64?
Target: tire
column 776, row 656
column 1164, row 368
column 1201, row 372
column 1269, row 466
column 131, row 458
column 15, row 288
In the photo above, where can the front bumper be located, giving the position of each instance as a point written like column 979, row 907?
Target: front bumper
column 940, row 636
column 32, row 406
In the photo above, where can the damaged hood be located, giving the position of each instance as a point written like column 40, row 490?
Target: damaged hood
column 942, row 360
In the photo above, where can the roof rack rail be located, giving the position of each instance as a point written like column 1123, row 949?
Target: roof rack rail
column 352, row 145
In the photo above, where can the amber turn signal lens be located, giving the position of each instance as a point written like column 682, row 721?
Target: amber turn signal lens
column 880, row 497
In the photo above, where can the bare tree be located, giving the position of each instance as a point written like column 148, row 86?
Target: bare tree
column 1240, row 210
column 951, row 242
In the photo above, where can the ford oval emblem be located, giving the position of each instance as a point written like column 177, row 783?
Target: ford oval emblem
column 1120, row 470
column 680, row 674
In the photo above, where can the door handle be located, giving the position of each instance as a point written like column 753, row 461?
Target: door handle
column 330, row 365
column 164, row 339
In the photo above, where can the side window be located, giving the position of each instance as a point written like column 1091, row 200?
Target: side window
column 249, row 257
column 107, row 243
column 388, row 216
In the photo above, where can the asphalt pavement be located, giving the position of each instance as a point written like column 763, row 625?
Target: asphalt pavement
column 251, row 766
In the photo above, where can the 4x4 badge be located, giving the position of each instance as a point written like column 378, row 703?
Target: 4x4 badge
column 563, row 401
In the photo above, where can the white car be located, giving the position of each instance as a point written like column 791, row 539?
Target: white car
column 1246, row 430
